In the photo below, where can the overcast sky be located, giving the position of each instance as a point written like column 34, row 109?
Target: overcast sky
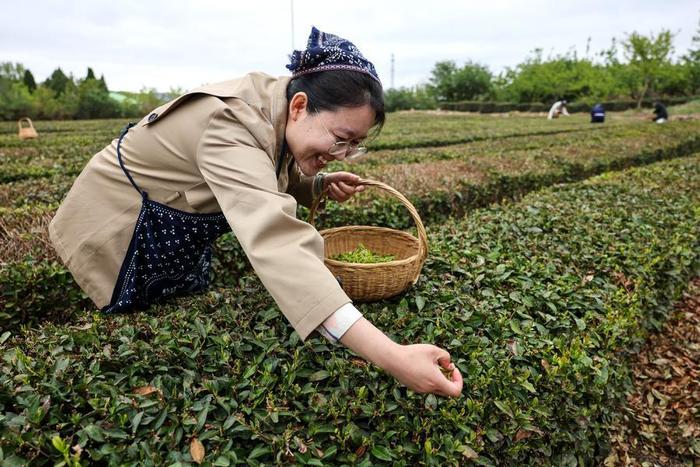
column 178, row 44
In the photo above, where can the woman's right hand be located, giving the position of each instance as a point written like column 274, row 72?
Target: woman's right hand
column 418, row 367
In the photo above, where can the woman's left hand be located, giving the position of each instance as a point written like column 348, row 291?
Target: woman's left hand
column 342, row 185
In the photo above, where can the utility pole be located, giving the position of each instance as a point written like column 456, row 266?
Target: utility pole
column 292, row 4
column 392, row 71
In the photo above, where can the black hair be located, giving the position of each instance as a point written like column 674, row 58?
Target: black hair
column 334, row 89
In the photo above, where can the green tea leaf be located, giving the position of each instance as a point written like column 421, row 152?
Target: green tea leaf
column 382, row 453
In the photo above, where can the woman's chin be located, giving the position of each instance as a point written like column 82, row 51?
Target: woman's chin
column 309, row 170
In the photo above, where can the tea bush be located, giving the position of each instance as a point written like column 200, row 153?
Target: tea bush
column 507, row 169
column 538, row 302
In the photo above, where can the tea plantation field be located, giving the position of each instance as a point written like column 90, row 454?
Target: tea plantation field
column 556, row 247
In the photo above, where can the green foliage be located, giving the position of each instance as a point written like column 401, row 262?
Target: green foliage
column 647, row 73
column 647, row 55
column 540, row 80
column 141, row 103
column 452, row 83
column 515, row 159
column 94, row 101
column 12, row 71
column 692, row 64
column 415, row 98
column 60, row 97
column 363, row 255
column 33, row 290
column 28, row 80
column 648, row 70
column 15, row 99
column 58, row 81
column 537, row 304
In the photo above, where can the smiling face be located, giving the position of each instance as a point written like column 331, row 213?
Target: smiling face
column 310, row 135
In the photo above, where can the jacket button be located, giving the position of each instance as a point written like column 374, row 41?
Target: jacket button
column 152, row 117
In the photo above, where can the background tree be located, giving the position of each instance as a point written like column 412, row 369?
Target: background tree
column 94, row 101
column 28, row 80
column 12, row 71
column 449, row 83
column 15, row 98
column 563, row 76
column 58, row 81
column 692, row 64
column 45, row 105
column 103, row 83
column 405, row 98
column 648, row 56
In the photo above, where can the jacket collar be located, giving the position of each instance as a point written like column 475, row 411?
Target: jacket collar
column 278, row 112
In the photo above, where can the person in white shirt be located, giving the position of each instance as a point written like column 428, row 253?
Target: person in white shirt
column 558, row 108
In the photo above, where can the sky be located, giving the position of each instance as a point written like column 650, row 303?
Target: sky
column 175, row 44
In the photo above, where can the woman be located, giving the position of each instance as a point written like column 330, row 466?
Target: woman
column 660, row 113
column 138, row 223
column 558, row 108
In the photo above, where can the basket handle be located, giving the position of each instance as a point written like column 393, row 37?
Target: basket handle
column 422, row 236
column 23, row 119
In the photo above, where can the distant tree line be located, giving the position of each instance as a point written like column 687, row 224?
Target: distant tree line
column 646, row 71
column 64, row 97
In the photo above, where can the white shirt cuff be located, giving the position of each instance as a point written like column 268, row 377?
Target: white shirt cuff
column 339, row 322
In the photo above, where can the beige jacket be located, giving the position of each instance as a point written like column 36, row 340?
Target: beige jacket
column 212, row 149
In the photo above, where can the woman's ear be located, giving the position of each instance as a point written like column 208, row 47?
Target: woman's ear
column 297, row 105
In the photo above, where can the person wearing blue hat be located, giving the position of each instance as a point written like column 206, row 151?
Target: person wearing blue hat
column 138, row 224
column 598, row 113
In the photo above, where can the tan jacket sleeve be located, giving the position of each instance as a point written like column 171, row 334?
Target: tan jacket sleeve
column 286, row 253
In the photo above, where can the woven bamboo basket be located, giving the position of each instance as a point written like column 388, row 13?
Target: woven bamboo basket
column 376, row 281
column 26, row 131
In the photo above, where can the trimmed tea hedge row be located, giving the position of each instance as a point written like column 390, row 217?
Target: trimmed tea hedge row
column 26, row 182
column 497, row 176
column 34, row 285
column 535, row 301
column 610, row 106
column 59, row 154
column 396, row 167
column 449, row 189
column 401, row 129
column 24, row 232
column 425, row 129
column 506, row 156
column 630, row 137
column 35, row 191
column 8, row 130
column 67, row 153
column 36, row 290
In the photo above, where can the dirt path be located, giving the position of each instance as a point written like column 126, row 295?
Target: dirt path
column 661, row 425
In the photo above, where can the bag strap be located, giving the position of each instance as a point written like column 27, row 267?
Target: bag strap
column 283, row 152
column 121, row 162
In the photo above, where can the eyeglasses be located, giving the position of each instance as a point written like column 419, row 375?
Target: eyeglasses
column 350, row 151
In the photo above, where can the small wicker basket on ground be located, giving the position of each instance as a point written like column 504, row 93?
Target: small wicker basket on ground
column 376, row 281
column 25, row 129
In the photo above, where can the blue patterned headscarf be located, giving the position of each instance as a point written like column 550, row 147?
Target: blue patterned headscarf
column 329, row 52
